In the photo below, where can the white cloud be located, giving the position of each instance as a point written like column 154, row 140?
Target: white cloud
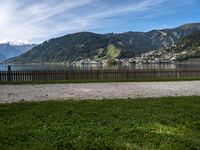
column 32, row 21
column 92, row 18
column 43, row 19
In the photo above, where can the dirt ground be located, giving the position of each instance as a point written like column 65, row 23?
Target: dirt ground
column 97, row 91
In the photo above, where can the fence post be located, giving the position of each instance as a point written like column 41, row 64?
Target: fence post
column 178, row 75
column 9, row 74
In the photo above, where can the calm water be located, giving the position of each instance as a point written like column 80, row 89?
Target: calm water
column 188, row 64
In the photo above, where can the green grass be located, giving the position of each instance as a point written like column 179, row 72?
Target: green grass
column 164, row 123
column 103, row 81
column 113, row 52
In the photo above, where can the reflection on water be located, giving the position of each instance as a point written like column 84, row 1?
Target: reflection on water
column 130, row 66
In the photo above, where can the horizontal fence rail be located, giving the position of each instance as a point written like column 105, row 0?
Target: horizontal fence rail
column 53, row 75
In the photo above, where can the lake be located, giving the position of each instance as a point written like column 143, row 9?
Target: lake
column 191, row 63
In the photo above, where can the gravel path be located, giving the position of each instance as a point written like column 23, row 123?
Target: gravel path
column 16, row 93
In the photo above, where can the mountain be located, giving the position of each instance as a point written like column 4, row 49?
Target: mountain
column 84, row 45
column 9, row 50
column 24, row 47
column 2, row 57
column 15, row 42
column 188, row 47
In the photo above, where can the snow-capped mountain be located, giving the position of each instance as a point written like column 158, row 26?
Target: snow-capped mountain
column 12, row 48
column 15, row 42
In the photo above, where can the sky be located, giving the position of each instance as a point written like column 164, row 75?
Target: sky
column 36, row 21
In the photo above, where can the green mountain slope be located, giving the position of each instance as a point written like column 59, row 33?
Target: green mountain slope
column 67, row 48
column 84, row 45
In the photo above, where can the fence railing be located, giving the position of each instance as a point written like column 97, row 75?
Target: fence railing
column 51, row 75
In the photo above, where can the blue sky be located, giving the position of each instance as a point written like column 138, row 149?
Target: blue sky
column 40, row 20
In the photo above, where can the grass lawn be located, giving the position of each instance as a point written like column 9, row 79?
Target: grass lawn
column 164, row 123
column 101, row 81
